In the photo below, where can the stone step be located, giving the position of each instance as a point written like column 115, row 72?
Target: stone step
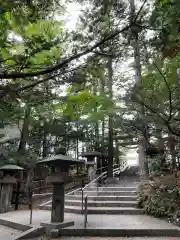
column 126, row 233
column 103, row 198
column 102, row 203
column 112, row 189
column 105, row 210
column 100, row 210
column 105, row 193
column 112, row 238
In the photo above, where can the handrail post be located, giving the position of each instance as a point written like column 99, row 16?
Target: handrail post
column 85, row 210
column 97, row 187
column 82, row 199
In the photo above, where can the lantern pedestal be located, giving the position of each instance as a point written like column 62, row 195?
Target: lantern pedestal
column 57, row 211
column 52, row 228
column 91, row 171
column 60, row 165
column 90, row 156
column 7, row 184
column 111, row 180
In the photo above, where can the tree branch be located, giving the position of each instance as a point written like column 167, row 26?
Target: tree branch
column 8, row 88
column 139, row 12
column 58, row 66
column 169, row 90
column 107, row 54
column 166, row 122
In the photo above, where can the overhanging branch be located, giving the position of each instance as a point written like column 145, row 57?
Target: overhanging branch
column 169, row 91
column 58, row 66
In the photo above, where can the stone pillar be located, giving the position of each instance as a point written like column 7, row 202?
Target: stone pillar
column 57, row 213
column 6, row 193
column 57, row 180
column 142, row 157
column 90, row 168
column 91, row 173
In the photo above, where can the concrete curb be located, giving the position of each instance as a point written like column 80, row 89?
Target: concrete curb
column 31, row 233
column 51, row 226
column 27, row 231
column 17, row 226
column 119, row 232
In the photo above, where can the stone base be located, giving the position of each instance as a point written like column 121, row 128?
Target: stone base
column 51, row 227
column 111, row 181
column 93, row 185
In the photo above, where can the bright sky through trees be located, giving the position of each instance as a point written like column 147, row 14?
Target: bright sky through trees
column 71, row 18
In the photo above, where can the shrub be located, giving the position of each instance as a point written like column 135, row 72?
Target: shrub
column 160, row 197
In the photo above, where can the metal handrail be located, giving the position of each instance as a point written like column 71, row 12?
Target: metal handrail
column 123, row 166
column 87, row 185
column 85, row 210
column 104, row 174
column 105, row 167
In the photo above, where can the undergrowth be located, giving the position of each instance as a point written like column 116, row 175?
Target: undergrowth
column 160, row 197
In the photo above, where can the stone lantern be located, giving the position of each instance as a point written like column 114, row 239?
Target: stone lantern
column 90, row 156
column 60, row 165
column 7, row 183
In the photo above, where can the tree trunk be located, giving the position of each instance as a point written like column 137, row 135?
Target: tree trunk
column 45, row 142
column 77, row 143
column 102, row 88
column 110, row 121
column 173, row 155
column 138, row 79
column 117, row 152
column 172, row 148
column 25, row 130
column 161, row 146
column 103, row 150
column 97, row 122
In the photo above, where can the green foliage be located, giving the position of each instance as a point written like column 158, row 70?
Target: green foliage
column 159, row 200
column 14, row 157
column 155, row 166
column 37, row 45
column 157, row 207
column 84, row 103
column 166, row 15
column 160, row 88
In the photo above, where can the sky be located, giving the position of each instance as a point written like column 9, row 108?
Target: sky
column 9, row 133
column 70, row 18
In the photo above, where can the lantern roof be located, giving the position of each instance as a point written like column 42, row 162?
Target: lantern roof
column 91, row 154
column 60, row 159
column 11, row 167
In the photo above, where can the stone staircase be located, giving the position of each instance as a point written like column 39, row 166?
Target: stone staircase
column 117, row 199
column 112, row 212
